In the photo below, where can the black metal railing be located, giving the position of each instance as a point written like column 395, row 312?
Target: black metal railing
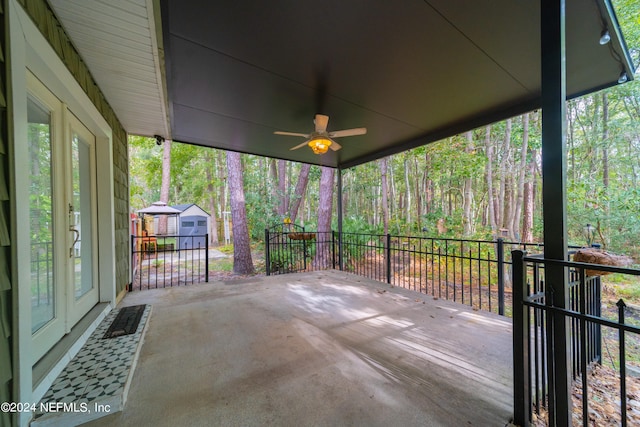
column 535, row 317
column 165, row 261
column 290, row 249
column 472, row 272
column 42, row 273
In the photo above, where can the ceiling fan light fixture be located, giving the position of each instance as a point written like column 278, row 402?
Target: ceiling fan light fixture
column 320, row 145
column 605, row 37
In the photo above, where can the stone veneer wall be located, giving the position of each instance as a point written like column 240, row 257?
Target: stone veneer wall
column 50, row 27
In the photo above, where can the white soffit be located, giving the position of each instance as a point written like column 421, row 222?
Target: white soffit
column 117, row 40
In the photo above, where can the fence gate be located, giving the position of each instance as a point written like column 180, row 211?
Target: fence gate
column 165, row 261
column 291, row 249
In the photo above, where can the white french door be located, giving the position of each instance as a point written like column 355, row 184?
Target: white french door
column 62, row 217
column 83, row 292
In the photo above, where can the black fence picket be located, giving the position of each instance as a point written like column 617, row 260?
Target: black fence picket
column 165, row 261
column 533, row 350
column 472, row 272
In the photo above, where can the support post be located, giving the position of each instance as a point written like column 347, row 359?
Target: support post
column 521, row 389
column 340, row 260
column 554, row 171
column 500, row 252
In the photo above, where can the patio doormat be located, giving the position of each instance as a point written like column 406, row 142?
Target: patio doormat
column 126, row 322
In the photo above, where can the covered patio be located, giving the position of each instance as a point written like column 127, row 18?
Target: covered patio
column 229, row 75
column 320, row 348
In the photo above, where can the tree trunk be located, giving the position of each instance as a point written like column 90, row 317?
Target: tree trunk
column 605, row 168
column 325, row 210
column 570, row 142
column 504, row 193
column 522, row 169
column 165, row 186
column 213, row 232
column 282, row 189
column 418, row 195
column 385, row 194
column 392, row 202
column 407, row 190
column 220, row 166
column 605, row 140
column 428, row 184
column 301, row 188
column 273, row 186
column 467, row 194
column 489, row 178
column 242, row 262
column 529, row 200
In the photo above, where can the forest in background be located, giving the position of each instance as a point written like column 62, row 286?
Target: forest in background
column 482, row 184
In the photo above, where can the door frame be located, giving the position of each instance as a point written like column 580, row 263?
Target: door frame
column 45, row 337
column 67, row 309
column 28, row 48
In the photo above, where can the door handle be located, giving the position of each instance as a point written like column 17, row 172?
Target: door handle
column 77, row 233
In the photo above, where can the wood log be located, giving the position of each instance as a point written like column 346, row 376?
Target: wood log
column 601, row 257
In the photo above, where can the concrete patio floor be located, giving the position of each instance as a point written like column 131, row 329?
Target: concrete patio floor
column 316, row 349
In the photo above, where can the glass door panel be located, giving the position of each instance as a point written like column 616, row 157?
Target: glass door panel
column 83, row 213
column 41, row 232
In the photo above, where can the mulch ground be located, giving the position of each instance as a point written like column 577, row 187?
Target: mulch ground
column 603, row 400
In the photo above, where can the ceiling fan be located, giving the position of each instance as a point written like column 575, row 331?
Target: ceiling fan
column 320, row 140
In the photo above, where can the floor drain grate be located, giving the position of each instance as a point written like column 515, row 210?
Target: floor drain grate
column 126, row 321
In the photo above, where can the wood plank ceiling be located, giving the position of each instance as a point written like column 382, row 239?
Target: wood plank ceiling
column 117, row 40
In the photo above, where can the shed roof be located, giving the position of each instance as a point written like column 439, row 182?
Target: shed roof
column 185, row 206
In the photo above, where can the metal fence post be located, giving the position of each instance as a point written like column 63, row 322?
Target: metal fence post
column 206, row 257
column 134, row 262
column 598, row 312
column 304, row 252
column 623, row 364
column 333, row 249
column 267, row 258
column 340, row 252
column 521, row 389
column 388, row 250
column 500, row 253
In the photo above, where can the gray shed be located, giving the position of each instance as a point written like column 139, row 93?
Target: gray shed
column 193, row 225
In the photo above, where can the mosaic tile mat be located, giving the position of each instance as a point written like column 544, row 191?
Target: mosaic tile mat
column 98, row 374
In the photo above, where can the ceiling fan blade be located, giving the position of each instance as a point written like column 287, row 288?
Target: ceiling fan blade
column 304, row 135
column 299, row 146
column 321, row 123
column 335, row 146
column 347, row 132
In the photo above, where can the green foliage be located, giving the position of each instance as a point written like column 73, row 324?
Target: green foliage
column 222, row 264
column 226, row 249
column 358, row 224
